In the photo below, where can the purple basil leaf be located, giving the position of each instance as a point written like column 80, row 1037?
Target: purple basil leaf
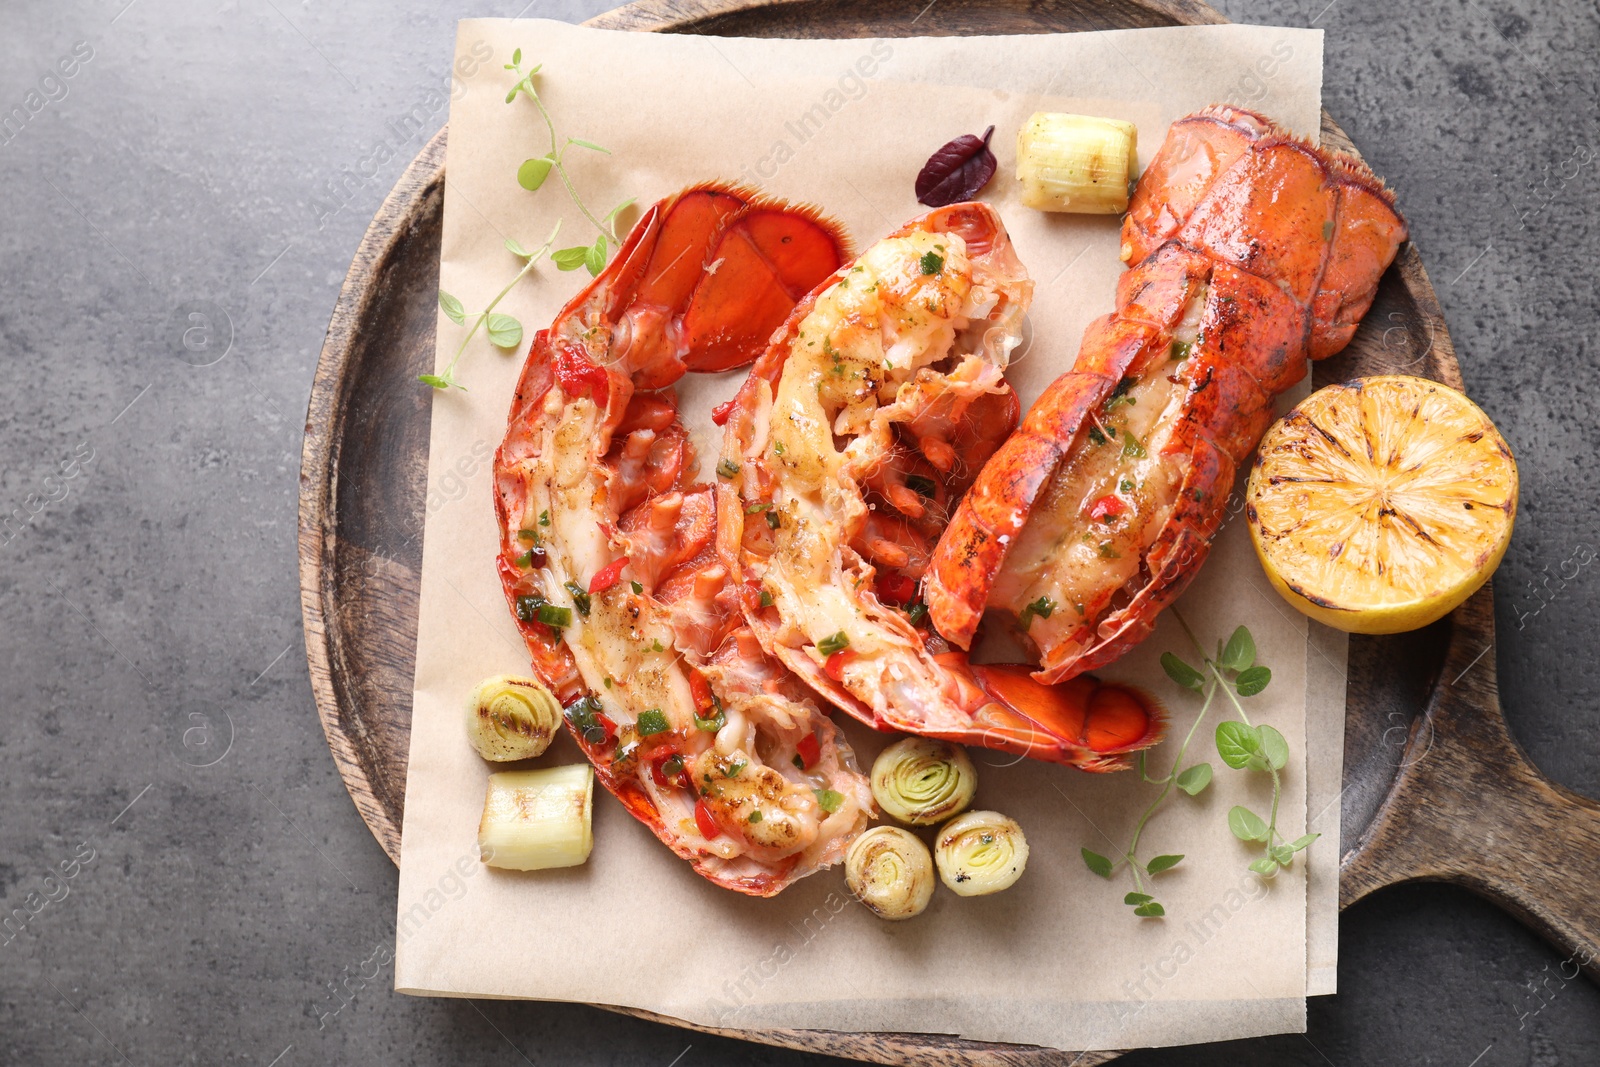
column 957, row 171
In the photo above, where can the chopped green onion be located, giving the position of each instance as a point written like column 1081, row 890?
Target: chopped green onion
column 528, row 535
column 716, row 722
column 773, row 522
column 1131, row 447
column 727, row 468
column 544, row 518
column 732, row 770
column 551, row 615
column 756, row 509
column 932, row 263
column 1043, row 608
column 916, row 612
column 528, row 607
column 1180, row 350
column 766, row 599
column 580, row 598
column 755, row 816
column 836, row 643
column 651, row 722
column 637, row 588
column 829, row 799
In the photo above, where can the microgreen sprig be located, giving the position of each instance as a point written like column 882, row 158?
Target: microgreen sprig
column 532, row 173
column 1192, row 780
column 1240, row 744
column 504, row 330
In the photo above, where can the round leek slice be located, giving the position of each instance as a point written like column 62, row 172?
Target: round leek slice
column 889, row 870
column 511, row 718
column 980, row 852
column 922, row 781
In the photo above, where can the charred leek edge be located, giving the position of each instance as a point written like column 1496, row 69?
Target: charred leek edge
column 1076, row 163
column 922, row 781
column 510, row 718
column 889, row 870
column 980, row 852
column 533, row 820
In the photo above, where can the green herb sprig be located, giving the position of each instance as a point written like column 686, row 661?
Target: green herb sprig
column 532, row 173
column 1240, row 744
column 504, row 330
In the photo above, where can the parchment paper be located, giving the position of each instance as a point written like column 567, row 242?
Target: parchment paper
column 1058, row 959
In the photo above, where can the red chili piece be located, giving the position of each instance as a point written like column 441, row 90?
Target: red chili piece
column 579, row 376
column 896, row 589
column 700, row 692
column 834, row 667
column 720, row 413
column 607, row 576
column 809, row 749
column 1106, row 508
column 669, row 771
column 704, row 822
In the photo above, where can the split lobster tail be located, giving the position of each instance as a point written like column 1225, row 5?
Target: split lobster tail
column 1251, row 253
column 863, row 422
column 606, row 548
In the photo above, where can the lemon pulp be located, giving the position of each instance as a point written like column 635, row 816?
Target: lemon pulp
column 1379, row 505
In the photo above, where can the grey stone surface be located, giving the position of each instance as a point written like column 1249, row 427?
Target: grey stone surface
column 154, row 590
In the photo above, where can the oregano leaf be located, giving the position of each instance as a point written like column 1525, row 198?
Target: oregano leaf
column 1252, row 681
column 533, row 172
column 619, row 209
column 1274, row 748
column 1237, row 743
column 1246, row 824
column 1301, row 842
column 1195, row 779
column 1096, row 863
column 452, row 308
column 1283, row 854
column 581, row 143
column 594, row 257
column 1158, row 864
column 1265, row 865
column 1240, row 651
column 516, row 249
column 1137, row 898
column 1181, row 672
column 1151, row 910
column 434, row 380
column 504, row 331
column 570, row 258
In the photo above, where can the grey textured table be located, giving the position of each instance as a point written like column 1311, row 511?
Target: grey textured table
column 227, row 156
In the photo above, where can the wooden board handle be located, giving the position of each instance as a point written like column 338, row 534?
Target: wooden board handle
column 1469, row 807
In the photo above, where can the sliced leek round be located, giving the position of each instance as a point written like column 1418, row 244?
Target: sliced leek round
column 980, row 852
column 534, row 820
column 511, row 718
column 922, row 780
column 889, row 870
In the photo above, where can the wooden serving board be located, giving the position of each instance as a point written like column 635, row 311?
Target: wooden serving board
column 1435, row 786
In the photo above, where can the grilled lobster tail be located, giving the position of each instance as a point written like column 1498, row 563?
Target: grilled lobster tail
column 1252, row 253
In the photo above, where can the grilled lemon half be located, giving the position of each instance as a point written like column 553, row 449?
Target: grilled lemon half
column 1379, row 505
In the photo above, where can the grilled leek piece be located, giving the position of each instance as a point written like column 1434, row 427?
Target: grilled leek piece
column 1076, row 163
column 534, row 820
